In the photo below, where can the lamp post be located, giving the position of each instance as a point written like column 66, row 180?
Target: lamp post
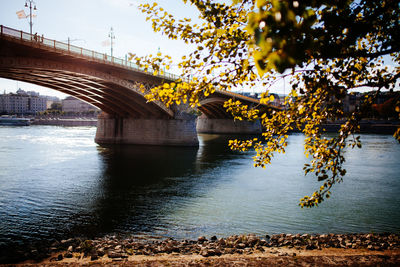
column 112, row 36
column 30, row 11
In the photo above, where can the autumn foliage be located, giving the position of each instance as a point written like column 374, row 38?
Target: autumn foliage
column 324, row 48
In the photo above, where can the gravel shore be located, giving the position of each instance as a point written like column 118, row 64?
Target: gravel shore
column 252, row 250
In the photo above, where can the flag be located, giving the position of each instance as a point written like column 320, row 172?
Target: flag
column 21, row 14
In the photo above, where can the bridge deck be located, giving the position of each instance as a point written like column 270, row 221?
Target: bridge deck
column 61, row 48
column 109, row 83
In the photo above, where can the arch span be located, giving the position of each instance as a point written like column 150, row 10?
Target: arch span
column 111, row 94
column 112, row 84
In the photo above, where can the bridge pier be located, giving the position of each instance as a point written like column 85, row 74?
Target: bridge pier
column 170, row 132
column 227, row 126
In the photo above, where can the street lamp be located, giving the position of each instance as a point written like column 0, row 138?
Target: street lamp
column 30, row 11
column 112, row 36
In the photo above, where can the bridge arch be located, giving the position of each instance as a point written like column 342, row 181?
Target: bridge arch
column 111, row 94
column 213, row 108
column 115, row 86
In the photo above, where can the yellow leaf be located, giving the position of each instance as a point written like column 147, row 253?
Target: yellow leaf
column 271, row 98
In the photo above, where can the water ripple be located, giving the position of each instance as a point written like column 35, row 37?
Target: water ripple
column 55, row 182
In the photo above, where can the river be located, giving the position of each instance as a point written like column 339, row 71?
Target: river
column 55, row 183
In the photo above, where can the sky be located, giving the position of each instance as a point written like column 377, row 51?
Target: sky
column 88, row 22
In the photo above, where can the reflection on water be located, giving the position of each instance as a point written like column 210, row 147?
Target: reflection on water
column 142, row 186
column 135, row 186
column 56, row 182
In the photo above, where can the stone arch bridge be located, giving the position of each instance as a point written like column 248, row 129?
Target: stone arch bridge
column 113, row 85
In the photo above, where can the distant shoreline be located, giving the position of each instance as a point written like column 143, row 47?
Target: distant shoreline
column 366, row 126
column 65, row 122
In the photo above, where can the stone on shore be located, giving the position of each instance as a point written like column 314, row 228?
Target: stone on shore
column 120, row 248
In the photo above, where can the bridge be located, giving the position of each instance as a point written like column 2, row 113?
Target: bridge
column 215, row 119
column 114, row 86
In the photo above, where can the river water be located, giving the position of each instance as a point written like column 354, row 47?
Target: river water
column 55, row 183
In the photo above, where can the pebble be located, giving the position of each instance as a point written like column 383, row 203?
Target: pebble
column 119, row 249
column 202, row 239
column 68, row 255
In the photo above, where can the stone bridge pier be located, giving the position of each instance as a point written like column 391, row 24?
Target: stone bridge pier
column 180, row 131
column 227, row 126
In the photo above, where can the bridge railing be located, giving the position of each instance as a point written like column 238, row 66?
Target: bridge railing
column 79, row 51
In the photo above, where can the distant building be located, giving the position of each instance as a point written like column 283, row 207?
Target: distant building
column 31, row 93
column 50, row 103
column 51, row 100
column 74, row 105
column 351, row 102
column 22, row 103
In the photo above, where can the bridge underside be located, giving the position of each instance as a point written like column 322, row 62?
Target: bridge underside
column 216, row 120
column 117, row 88
column 111, row 97
column 213, row 108
column 113, row 89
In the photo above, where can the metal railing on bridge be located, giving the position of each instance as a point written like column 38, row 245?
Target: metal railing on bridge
column 96, row 56
column 79, row 51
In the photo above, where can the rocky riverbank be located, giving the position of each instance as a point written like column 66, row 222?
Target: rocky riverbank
column 113, row 249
